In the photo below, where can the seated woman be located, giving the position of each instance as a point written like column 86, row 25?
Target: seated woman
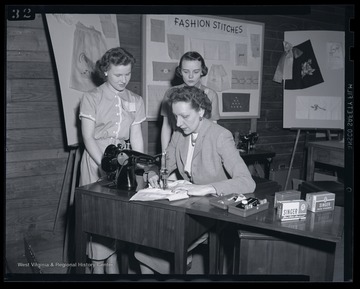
column 204, row 154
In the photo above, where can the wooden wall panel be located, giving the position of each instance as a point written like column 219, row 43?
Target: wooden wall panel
column 34, row 120
column 31, row 69
column 28, row 39
column 42, row 139
column 33, row 107
column 34, row 187
column 28, row 90
column 35, row 154
column 35, row 168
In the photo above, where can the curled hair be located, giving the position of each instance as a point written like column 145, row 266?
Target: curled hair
column 193, row 95
column 115, row 56
column 192, row 56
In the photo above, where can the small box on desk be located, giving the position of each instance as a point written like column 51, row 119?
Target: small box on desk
column 286, row 196
column 292, row 210
column 318, row 186
column 320, row 201
column 237, row 208
column 224, row 201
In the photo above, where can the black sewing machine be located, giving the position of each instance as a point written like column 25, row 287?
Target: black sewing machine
column 121, row 163
column 247, row 142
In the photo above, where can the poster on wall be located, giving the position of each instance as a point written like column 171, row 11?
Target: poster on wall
column 314, row 96
column 232, row 50
column 78, row 41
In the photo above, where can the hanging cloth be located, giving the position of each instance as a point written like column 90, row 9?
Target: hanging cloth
column 285, row 66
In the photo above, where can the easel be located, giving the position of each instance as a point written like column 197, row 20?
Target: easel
column 328, row 136
column 69, row 181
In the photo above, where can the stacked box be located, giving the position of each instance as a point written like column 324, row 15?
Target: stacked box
column 286, row 196
column 292, row 210
column 320, row 201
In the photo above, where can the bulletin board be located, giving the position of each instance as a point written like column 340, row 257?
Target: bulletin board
column 78, row 41
column 318, row 105
column 233, row 53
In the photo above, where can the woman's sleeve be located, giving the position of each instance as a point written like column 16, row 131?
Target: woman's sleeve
column 140, row 111
column 88, row 107
column 241, row 180
column 214, row 98
column 171, row 152
column 165, row 105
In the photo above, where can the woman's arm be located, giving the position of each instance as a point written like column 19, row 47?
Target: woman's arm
column 88, row 128
column 215, row 110
column 166, row 133
column 136, row 138
column 241, row 180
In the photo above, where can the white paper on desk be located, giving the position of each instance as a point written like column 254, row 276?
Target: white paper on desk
column 171, row 194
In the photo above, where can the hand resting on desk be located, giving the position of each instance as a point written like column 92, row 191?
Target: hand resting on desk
column 174, row 192
column 182, row 185
column 197, row 190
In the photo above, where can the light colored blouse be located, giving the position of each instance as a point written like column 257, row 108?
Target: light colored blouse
column 112, row 111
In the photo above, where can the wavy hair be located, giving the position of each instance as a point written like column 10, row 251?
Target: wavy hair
column 193, row 95
column 115, row 56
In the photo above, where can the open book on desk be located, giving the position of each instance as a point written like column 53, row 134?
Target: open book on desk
column 171, row 194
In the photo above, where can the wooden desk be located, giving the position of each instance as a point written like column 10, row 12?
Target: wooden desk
column 326, row 152
column 315, row 238
column 172, row 226
column 161, row 225
column 260, row 156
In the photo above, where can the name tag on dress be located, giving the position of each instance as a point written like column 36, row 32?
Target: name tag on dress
column 129, row 106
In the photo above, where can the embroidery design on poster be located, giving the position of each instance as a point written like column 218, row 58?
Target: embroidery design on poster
column 306, row 70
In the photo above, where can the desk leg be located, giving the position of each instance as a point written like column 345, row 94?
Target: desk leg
column 80, row 236
column 213, row 251
column 267, row 168
column 123, row 256
column 310, row 166
column 180, row 254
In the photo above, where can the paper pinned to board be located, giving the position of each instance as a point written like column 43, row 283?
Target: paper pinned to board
column 171, row 194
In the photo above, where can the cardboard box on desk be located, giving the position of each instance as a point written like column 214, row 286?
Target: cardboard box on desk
column 224, row 201
column 286, row 196
column 292, row 210
column 320, row 201
column 232, row 208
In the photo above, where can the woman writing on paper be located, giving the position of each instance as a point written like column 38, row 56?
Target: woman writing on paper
column 205, row 154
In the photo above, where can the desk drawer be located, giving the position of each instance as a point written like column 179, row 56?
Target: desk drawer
column 333, row 157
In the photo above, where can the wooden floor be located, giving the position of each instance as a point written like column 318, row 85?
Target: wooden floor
column 38, row 253
column 48, row 258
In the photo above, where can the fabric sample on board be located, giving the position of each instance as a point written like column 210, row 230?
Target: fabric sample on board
column 163, row 71
column 306, row 71
column 218, row 79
